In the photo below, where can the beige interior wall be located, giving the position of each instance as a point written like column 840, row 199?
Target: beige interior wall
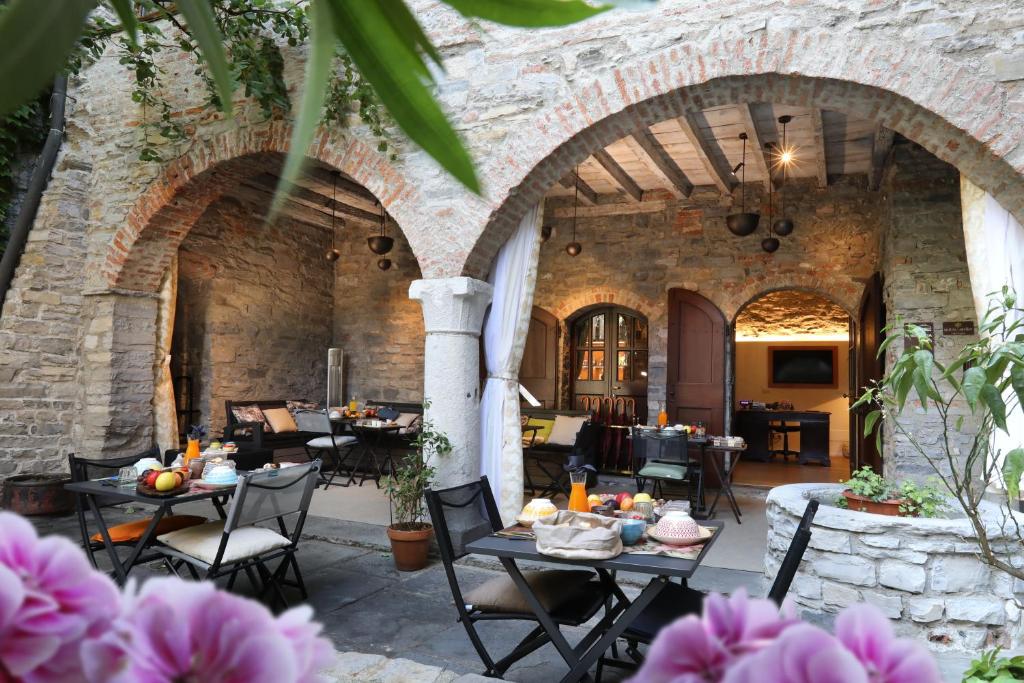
column 752, row 384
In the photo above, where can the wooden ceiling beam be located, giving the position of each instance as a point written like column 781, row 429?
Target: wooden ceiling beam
column 713, row 163
column 587, row 194
column 619, row 175
column 316, row 200
column 756, row 143
column 881, row 155
column 612, row 209
column 326, row 176
column 291, row 209
column 820, row 158
column 653, row 155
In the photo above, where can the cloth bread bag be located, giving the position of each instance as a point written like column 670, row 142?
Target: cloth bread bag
column 578, row 536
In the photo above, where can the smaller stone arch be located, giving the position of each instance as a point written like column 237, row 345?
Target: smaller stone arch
column 577, row 303
column 141, row 249
column 846, row 296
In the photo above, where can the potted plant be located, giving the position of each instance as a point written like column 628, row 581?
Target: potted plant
column 867, row 491
column 405, row 486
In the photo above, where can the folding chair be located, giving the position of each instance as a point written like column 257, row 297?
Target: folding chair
column 665, row 459
column 224, row 548
column 331, row 448
column 676, row 600
column 465, row 513
column 121, row 535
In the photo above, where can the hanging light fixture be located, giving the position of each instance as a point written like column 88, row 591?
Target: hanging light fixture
column 784, row 226
column 574, row 248
column 742, row 224
column 384, row 263
column 381, row 244
column 333, row 254
column 770, row 243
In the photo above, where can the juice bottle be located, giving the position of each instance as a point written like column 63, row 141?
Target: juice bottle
column 662, row 417
column 352, row 405
column 578, row 495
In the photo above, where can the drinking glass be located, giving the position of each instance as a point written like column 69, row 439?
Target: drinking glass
column 578, row 496
column 126, row 476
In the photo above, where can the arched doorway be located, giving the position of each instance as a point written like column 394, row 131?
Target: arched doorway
column 609, row 362
column 696, row 361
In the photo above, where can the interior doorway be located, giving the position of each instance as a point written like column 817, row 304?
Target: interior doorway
column 794, row 374
column 869, row 368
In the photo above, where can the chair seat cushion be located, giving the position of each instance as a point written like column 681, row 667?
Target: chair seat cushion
column 130, row 532
column 202, row 542
column 325, row 441
column 553, row 587
column 661, row 470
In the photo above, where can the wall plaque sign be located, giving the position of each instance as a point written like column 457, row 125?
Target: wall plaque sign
column 958, row 327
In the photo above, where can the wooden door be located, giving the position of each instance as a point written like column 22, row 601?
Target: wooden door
column 609, row 362
column 696, row 361
column 867, row 368
column 538, row 372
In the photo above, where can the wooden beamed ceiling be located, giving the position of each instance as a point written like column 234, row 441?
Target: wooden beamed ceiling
column 700, row 150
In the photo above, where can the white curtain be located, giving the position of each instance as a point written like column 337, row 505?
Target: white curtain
column 994, row 241
column 165, row 415
column 513, row 276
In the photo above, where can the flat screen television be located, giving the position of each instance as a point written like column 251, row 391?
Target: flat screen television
column 808, row 367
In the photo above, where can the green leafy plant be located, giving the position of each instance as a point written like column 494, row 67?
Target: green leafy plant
column 920, row 500
column 868, row 483
column 991, row 667
column 973, row 393
column 408, row 482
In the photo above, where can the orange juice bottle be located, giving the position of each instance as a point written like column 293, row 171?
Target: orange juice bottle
column 578, row 494
column 662, row 417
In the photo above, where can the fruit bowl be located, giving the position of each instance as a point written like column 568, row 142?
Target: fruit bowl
column 154, row 482
column 144, row 490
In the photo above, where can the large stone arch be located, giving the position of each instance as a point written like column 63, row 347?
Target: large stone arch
column 844, row 297
column 929, row 98
column 140, row 251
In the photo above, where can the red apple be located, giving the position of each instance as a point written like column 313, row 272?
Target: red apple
column 151, row 478
column 619, row 497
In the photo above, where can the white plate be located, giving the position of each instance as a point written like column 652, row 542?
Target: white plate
column 705, row 534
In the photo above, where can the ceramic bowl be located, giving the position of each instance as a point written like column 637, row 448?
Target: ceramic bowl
column 677, row 525
column 536, row 508
column 631, row 530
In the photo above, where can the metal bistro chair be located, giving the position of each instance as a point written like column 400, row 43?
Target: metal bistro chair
column 465, row 513
column 677, row 600
column 665, row 458
column 331, row 448
column 121, row 535
column 584, row 452
column 224, row 548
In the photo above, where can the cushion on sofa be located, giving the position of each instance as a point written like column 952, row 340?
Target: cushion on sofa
column 553, row 588
column 251, row 413
column 544, row 433
column 295, row 406
column 280, row 420
column 565, row 429
column 409, row 422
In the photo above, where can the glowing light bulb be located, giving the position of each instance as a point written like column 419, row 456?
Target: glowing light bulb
column 786, row 157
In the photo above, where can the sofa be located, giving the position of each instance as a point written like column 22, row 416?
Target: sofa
column 248, row 431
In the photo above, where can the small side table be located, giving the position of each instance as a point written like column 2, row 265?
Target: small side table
column 725, row 475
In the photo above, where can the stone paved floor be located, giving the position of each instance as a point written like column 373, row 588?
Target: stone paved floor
column 392, row 626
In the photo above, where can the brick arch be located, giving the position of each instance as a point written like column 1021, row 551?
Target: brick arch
column 579, row 301
column 846, row 297
column 154, row 227
column 927, row 97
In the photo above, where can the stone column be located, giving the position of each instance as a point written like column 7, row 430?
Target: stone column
column 453, row 314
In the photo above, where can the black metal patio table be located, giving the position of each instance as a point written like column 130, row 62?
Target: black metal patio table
column 618, row 617
column 110, row 492
column 369, row 439
column 724, row 473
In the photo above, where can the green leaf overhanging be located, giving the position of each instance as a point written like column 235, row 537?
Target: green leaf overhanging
column 1013, row 469
column 528, row 13
column 203, row 25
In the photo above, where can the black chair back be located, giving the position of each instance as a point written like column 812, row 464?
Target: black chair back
column 84, row 469
column 795, row 553
column 585, row 450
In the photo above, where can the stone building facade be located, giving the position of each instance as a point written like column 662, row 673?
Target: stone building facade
column 77, row 330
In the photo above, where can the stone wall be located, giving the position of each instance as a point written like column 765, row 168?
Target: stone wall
column 377, row 326
column 922, row 573
column 254, row 309
column 926, row 279
column 634, row 259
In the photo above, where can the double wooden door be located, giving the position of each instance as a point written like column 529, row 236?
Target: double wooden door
column 865, row 368
column 696, row 361
column 609, row 362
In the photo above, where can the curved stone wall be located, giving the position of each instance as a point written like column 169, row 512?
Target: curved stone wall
column 922, row 573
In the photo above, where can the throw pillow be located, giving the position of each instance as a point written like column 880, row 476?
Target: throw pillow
column 248, row 413
column 280, row 420
column 565, row 429
column 409, row 422
column 295, row 406
column 544, row 433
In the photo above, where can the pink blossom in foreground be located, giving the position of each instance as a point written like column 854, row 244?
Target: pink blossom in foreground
column 698, row 649
column 868, row 634
column 803, row 654
column 173, row 630
column 50, row 599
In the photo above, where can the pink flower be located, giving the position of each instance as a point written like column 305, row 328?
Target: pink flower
column 174, row 630
column 803, row 654
column 867, row 633
column 50, row 599
column 694, row 650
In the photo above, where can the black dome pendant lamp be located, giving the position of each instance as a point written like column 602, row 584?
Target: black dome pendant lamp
column 770, row 243
column 381, row 244
column 784, row 225
column 743, row 223
column 574, row 248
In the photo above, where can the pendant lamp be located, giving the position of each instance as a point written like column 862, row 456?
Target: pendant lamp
column 574, row 248
column 333, row 254
column 743, row 223
column 381, row 244
column 784, row 226
column 770, row 243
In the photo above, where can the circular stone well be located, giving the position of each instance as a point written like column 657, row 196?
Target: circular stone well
column 922, row 573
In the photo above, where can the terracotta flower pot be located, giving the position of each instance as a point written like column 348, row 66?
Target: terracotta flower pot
column 38, row 494
column 890, row 508
column 410, row 544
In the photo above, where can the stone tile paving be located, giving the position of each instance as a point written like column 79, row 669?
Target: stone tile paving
column 392, row 626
